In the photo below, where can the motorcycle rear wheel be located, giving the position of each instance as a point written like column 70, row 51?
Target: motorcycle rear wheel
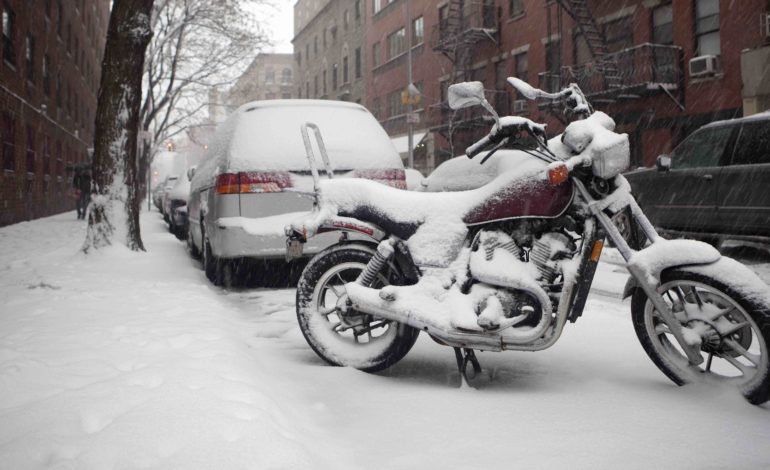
column 348, row 338
column 734, row 330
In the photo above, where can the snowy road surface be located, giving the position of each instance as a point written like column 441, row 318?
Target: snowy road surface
column 122, row 360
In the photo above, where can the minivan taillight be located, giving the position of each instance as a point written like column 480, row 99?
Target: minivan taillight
column 390, row 176
column 253, row 182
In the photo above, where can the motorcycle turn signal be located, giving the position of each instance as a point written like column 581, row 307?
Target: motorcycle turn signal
column 557, row 173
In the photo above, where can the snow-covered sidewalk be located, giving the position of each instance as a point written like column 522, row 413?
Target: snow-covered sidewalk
column 124, row 360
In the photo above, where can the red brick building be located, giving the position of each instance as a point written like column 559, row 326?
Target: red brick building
column 49, row 78
column 634, row 60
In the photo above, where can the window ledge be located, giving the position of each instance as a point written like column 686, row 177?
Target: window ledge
column 12, row 66
column 517, row 17
column 711, row 78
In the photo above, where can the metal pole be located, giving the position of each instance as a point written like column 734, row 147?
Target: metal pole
column 410, row 125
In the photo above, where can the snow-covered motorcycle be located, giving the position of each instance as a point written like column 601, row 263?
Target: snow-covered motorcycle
column 505, row 266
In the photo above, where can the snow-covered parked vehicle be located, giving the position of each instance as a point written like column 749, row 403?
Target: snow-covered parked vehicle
column 506, row 265
column 175, row 205
column 254, row 177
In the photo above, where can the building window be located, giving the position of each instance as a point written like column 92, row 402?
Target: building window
column 30, row 149
column 58, row 90
column 395, row 104
column 396, row 43
column 707, row 27
column 59, row 17
column 515, row 7
column 335, row 73
column 323, row 81
column 376, row 107
column 663, row 25
column 285, row 96
column 346, row 18
column 47, row 75
column 345, row 69
column 9, row 26
column 521, row 68
column 269, row 96
column 315, row 85
column 315, row 45
column 298, row 58
column 269, row 75
column 377, row 5
column 46, row 155
column 418, row 31
column 59, row 163
column 375, row 54
column 619, row 34
column 286, row 76
column 358, row 9
column 324, row 38
column 358, row 62
column 29, row 57
column 8, row 135
column 307, row 51
column 307, row 89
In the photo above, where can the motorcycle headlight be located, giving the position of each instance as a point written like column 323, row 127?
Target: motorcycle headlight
column 611, row 159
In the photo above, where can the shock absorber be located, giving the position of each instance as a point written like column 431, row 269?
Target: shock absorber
column 384, row 252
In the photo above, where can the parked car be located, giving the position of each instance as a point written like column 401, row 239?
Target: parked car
column 255, row 179
column 175, row 205
column 157, row 194
column 168, row 184
column 714, row 185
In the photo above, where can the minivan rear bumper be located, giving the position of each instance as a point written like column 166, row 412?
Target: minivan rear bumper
column 242, row 237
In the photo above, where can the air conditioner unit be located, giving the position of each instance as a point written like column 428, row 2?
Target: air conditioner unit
column 520, row 106
column 703, row 65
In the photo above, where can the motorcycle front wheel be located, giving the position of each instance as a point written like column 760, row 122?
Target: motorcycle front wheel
column 340, row 335
column 733, row 327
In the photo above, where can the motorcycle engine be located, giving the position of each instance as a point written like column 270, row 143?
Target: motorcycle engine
column 548, row 252
column 541, row 262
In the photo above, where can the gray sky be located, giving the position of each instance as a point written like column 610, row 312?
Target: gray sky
column 282, row 25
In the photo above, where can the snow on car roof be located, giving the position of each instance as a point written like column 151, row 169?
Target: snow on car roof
column 265, row 136
column 763, row 116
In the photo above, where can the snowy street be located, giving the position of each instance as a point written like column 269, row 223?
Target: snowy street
column 125, row 360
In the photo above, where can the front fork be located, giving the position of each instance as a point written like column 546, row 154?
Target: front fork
column 693, row 353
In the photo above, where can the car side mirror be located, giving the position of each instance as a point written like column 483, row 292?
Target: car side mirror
column 663, row 163
column 190, row 173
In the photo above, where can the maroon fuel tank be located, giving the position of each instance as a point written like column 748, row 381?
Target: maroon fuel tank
column 517, row 200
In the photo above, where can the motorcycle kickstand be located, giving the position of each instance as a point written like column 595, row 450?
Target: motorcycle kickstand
column 464, row 357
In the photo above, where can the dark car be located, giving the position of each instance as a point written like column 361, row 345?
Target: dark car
column 714, row 185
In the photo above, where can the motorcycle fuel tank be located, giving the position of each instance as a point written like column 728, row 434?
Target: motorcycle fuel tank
column 516, row 200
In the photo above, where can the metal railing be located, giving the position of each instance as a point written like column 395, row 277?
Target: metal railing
column 476, row 16
column 638, row 66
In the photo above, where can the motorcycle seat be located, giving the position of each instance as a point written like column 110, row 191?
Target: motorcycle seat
column 514, row 194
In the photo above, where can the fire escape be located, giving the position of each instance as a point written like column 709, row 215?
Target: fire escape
column 609, row 77
column 463, row 27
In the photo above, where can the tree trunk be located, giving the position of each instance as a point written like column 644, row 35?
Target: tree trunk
column 115, row 167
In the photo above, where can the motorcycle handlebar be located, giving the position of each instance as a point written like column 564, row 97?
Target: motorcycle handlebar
column 478, row 147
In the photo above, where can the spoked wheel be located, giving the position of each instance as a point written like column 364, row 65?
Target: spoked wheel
column 339, row 334
column 731, row 329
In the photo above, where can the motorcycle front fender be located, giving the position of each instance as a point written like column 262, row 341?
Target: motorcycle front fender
column 647, row 264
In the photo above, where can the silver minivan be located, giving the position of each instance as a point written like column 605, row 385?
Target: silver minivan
column 255, row 178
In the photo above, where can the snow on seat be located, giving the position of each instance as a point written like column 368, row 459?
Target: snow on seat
column 433, row 222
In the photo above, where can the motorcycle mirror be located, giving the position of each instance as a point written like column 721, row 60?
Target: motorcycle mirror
column 462, row 95
column 524, row 88
column 663, row 162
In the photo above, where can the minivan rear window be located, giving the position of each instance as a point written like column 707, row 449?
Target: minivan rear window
column 268, row 137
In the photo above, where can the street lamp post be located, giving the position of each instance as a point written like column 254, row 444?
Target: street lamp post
column 410, row 106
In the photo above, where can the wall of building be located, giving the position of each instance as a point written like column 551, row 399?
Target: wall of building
column 47, row 109
column 269, row 77
column 329, row 39
column 655, row 122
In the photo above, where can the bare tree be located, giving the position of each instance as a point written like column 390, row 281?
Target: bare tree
column 115, row 170
column 197, row 44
